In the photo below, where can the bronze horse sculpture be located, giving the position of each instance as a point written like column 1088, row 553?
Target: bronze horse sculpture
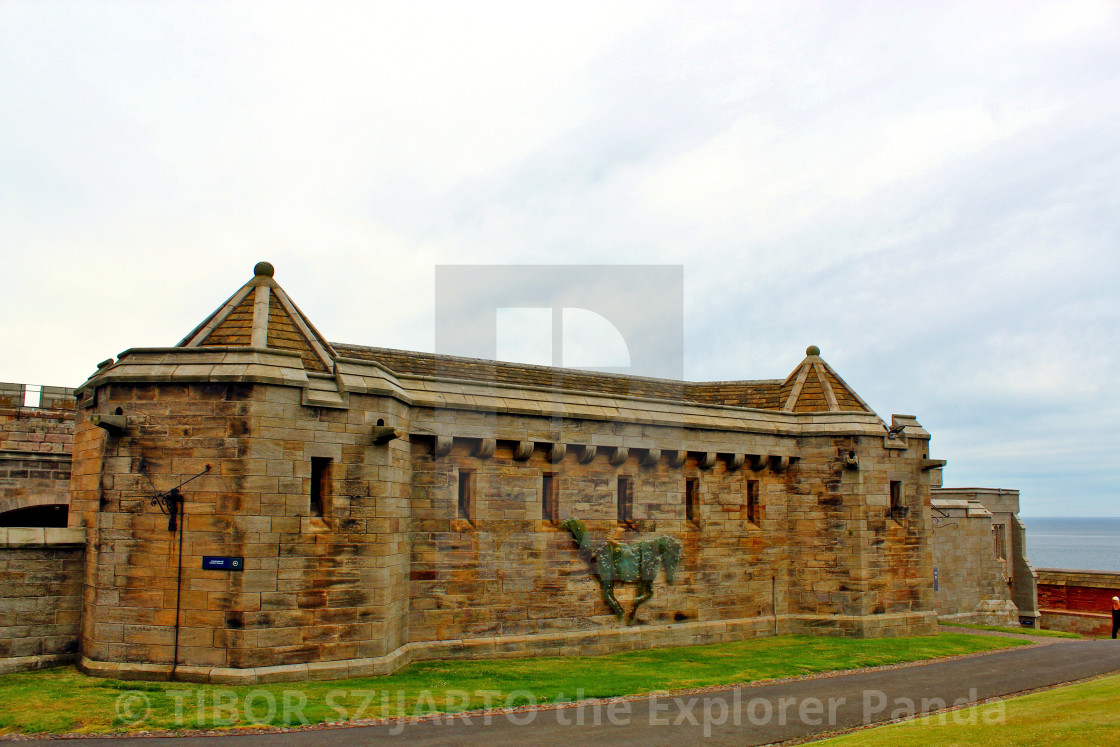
column 630, row 562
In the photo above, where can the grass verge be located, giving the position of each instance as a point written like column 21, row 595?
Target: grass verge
column 1082, row 715
column 64, row 700
column 1024, row 631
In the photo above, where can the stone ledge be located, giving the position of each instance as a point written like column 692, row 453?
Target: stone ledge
column 31, row 537
column 31, row 663
column 125, row 670
column 37, row 456
column 572, row 643
column 1075, row 577
column 1077, row 613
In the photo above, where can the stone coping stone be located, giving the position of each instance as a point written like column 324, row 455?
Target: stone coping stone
column 1076, row 613
column 1074, row 577
column 31, row 663
column 125, row 670
column 267, row 366
column 27, row 455
column 13, row 537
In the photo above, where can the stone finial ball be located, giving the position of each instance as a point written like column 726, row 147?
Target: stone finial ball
column 264, row 268
column 812, row 350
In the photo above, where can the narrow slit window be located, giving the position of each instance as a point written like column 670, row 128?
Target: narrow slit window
column 997, row 536
column 625, row 500
column 692, row 499
column 754, row 514
column 549, row 508
column 898, row 511
column 466, row 490
column 320, row 472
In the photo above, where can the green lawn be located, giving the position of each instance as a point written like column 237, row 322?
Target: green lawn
column 1082, row 715
column 64, row 700
column 1024, row 631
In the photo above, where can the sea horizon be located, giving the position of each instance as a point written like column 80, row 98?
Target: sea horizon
column 1083, row 543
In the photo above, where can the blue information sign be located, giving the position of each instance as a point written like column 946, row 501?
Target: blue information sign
column 935, row 579
column 222, row 563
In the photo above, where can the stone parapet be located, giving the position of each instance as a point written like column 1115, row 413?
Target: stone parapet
column 14, row 396
column 1072, row 577
column 35, row 448
column 1077, row 590
column 194, row 365
column 267, row 366
column 1083, row 623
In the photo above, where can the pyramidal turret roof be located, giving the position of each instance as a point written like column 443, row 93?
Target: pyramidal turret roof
column 261, row 315
column 814, row 387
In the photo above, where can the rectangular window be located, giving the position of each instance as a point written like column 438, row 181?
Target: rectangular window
column 997, row 536
column 320, row 475
column 466, row 478
column 549, row 508
column 754, row 516
column 692, row 499
column 898, row 511
column 625, row 500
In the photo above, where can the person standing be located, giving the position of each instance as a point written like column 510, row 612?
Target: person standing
column 1115, row 615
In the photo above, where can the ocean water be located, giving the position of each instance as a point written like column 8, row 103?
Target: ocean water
column 1085, row 544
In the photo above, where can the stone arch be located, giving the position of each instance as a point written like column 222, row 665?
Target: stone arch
column 12, row 506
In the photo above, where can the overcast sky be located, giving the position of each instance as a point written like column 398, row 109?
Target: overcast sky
column 930, row 192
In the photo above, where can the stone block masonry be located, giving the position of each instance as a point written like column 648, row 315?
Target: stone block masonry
column 387, row 506
column 979, row 550
column 35, row 447
column 314, row 587
column 41, row 574
column 972, row 585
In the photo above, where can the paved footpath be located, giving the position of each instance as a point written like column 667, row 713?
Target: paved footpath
column 748, row 715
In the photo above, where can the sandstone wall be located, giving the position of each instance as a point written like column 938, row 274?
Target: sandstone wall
column 849, row 554
column 390, row 571
column 35, row 445
column 507, row 571
column 825, row 553
column 313, row 589
column 40, row 596
column 972, row 585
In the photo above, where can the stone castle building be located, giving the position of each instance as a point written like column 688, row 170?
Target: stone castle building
column 981, row 571
column 340, row 510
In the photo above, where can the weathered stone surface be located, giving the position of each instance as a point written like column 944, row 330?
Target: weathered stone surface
column 360, row 555
column 40, row 597
column 983, row 575
column 35, row 448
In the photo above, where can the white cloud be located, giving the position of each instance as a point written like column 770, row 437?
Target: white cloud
column 928, row 192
